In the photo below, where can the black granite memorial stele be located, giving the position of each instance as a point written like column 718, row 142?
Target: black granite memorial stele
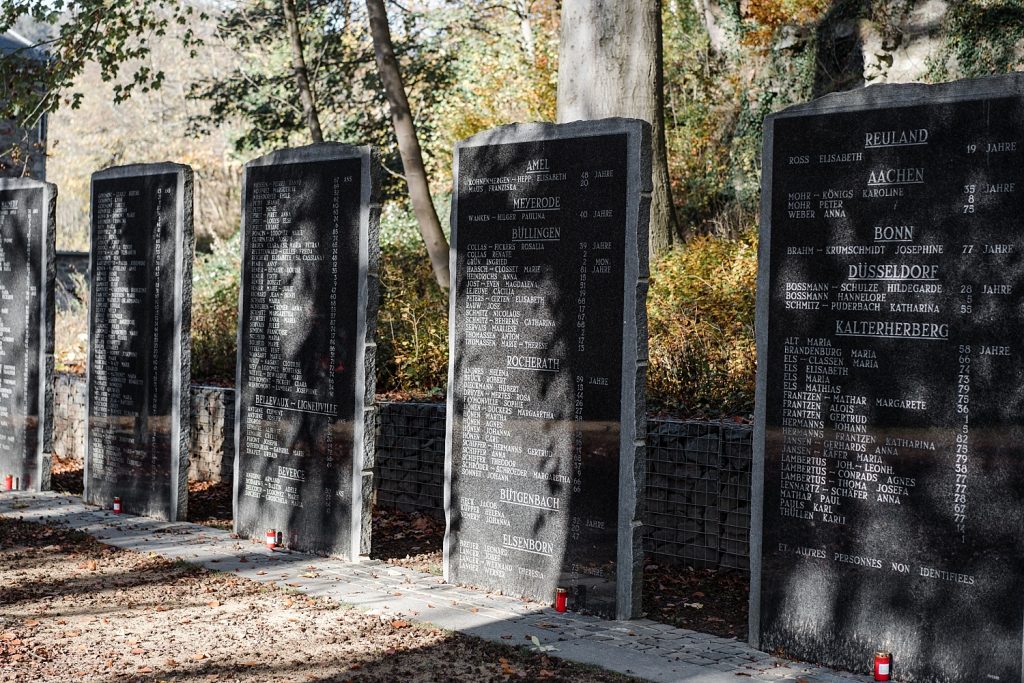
column 548, row 343
column 888, row 508
column 305, row 373
column 27, row 249
column 140, row 309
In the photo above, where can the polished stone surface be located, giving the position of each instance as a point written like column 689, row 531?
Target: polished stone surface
column 548, row 336
column 137, row 445
column 889, row 497
column 304, row 431
column 27, row 249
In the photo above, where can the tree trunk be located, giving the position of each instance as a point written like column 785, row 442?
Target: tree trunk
column 301, row 73
column 408, row 143
column 721, row 33
column 610, row 64
column 526, row 31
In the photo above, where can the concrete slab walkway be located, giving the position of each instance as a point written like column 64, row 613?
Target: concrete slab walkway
column 642, row 648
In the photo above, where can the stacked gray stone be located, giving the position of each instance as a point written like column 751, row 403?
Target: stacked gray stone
column 69, row 416
column 213, row 434
column 409, row 472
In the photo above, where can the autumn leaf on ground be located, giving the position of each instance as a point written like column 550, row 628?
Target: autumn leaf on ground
column 505, row 666
column 400, row 623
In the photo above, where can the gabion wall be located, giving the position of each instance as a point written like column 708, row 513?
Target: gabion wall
column 698, row 480
column 213, row 421
column 698, row 473
column 409, row 472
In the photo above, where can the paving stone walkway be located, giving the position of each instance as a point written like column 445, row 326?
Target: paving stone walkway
column 642, row 648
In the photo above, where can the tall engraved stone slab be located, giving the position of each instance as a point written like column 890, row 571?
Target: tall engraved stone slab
column 27, row 250
column 305, row 373
column 888, row 487
column 548, row 339
column 137, row 443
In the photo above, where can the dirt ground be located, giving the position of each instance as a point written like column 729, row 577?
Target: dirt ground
column 705, row 600
column 74, row 609
column 409, row 539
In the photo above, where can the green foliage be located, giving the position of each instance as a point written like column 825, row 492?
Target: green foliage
column 110, row 34
column 701, row 325
column 260, row 92
column 506, row 70
column 412, row 322
column 715, row 103
column 71, row 327
column 982, row 37
column 215, row 281
column 697, row 123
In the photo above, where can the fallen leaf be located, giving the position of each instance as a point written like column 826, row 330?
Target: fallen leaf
column 146, row 670
column 213, row 603
column 400, row 623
